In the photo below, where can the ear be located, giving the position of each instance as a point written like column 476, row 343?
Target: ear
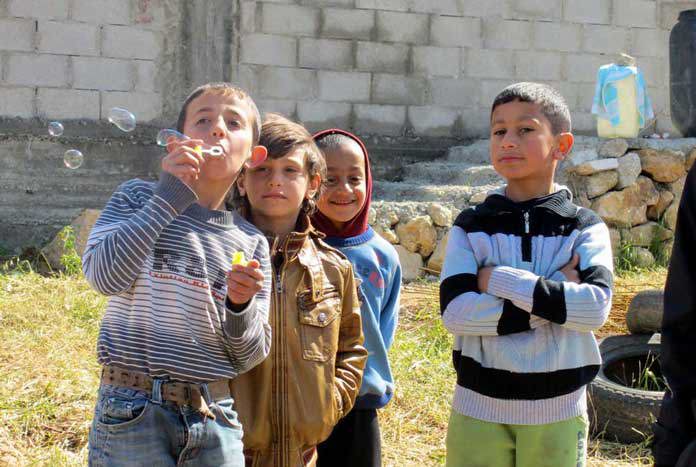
column 565, row 144
column 313, row 186
column 258, row 155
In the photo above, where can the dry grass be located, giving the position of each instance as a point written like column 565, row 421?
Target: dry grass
column 48, row 327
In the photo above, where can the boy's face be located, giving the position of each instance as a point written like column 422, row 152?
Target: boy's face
column 523, row 146
column 346, row 186
column 225, row 121
column 277, row 187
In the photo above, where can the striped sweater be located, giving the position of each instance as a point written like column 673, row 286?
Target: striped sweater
column 162, row 258
column 524, row 351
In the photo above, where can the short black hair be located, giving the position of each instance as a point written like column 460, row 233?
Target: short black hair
column 332, row 141
column 553, row 105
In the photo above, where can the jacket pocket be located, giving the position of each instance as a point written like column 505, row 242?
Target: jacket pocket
column 319, row 325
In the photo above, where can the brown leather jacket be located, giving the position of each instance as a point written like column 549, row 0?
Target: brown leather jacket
column 290, row 402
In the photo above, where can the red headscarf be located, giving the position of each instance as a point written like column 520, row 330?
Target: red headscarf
column 358, row 224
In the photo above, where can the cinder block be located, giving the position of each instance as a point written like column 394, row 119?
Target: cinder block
column 534, row 65
column 282, row 107
column 344, row 86
column 102, row 11
column 582, row 68
column 380, row 119
column 40, row 9
column 564, row 37
column 105, row 74
column 604, row 39
column 247, row 16
column 130, row 42
column 389, row 5
column 267, row 49
column 146, row 106
column 67, row 103
column 68, row 38
column 17, row 102
column 439, row 7
column 635, row 13
column 436, row 61
column 326, row 54
column 347, row 24
column 340, row 3
column 655, row 70
column 398, row 89
column 584, row 123
column 477, row 123
column 490, row 64
column 320, row 115
column 484, row 9
column 447, row 31
column 37, row 70
column 507, row 34
column 664, row 124
column 570, row 92
column 587, row 11
column 586, row 92
column 649, row 42
column 291, row 20
column 146, row 76
column 17, row 34
column 387, row 58
column 448, row 92
column 659, row 98
column 432, row 120
column 549, row 10
column 410, row 28
column 490, row 89
column 286, row 83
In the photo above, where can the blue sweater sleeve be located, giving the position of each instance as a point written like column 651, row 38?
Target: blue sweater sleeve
column 389, row 315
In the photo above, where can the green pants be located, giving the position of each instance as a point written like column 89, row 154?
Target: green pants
column 476, row 443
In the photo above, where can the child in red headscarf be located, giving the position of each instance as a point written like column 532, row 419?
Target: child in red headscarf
column 342, row 216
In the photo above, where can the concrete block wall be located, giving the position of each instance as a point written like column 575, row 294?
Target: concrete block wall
column 432, row 68
column 75, row 59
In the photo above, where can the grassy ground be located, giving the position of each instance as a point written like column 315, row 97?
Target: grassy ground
column 48, row 327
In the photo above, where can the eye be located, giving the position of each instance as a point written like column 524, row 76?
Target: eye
column 234, row 124
column 202, row 121
column 291, row 170
column 526, row 130
column 499, row 132
column 331, row 181
column 355, row 180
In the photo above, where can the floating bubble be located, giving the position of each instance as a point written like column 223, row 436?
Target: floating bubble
column 73, row 158
column 164, row 135
column 122, row 118
column 55, row 129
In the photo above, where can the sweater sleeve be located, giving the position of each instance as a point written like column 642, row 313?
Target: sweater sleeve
column 581, row 307
column 247, row 332
column 467, row 311
column 677, row 424
column 389, row 315
column 127, row 230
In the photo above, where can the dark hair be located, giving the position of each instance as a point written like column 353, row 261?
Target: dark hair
column 333, row 141
column 226, row 89
column 282, row 136
column 551, row 102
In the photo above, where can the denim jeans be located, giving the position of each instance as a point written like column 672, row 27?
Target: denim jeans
column 133, row 428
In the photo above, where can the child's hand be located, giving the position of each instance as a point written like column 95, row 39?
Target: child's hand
column 484, row 275
column 570, row 270
column 243, row 282
column 183, row 161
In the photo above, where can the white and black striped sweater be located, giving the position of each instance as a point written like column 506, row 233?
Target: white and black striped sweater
column 524, row 351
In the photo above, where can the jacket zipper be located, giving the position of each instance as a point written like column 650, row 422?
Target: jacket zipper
column 526, row 240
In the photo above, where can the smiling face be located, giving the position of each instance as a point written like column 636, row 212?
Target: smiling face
column 346, row 186
column 522, row 146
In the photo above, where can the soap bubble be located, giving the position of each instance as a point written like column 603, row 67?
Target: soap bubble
column 123, row 119
column 164, row 135
column 73, row 158
column 55, row 129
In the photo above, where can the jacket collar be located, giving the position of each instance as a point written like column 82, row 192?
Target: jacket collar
column 559, row 202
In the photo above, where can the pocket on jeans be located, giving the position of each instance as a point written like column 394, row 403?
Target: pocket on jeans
column 119, row 412
column 227, row 414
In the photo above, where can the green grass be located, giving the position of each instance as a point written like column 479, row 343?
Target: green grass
column 49, row 327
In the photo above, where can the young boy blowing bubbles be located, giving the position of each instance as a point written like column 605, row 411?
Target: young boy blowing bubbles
column 526, row 279
column 179, row 324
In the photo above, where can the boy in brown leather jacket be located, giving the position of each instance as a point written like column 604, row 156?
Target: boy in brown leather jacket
column 291, row 401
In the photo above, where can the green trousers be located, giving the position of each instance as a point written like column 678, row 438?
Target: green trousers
column 476, row 443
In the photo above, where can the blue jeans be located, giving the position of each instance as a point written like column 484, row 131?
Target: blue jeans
column 132, row 428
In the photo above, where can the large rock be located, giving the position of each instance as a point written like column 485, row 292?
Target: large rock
column 411, row 263
column 623, row 208
column 629, row 170
column 663, row 166
column 601, row 182
column 642, row 257
column 613, row 148
column 418, row 235
column 649, row 194
column 81, row 227
column 644, row 235
column 595, row 166
column 670, row 216
column 656, row 211
column 645, row 311
column 437, row 259
column 440, row 215
column 677, row 187
column 386, row 233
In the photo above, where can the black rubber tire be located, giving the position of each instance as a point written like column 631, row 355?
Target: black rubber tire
column 617, row 412
column 644, row 315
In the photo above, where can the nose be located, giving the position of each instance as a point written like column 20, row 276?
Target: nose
column 218, row 128
column 509, row 140
column 275, row 178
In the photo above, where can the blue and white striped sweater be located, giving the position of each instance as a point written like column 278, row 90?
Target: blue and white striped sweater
column 524, row 350
column 162, row 258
